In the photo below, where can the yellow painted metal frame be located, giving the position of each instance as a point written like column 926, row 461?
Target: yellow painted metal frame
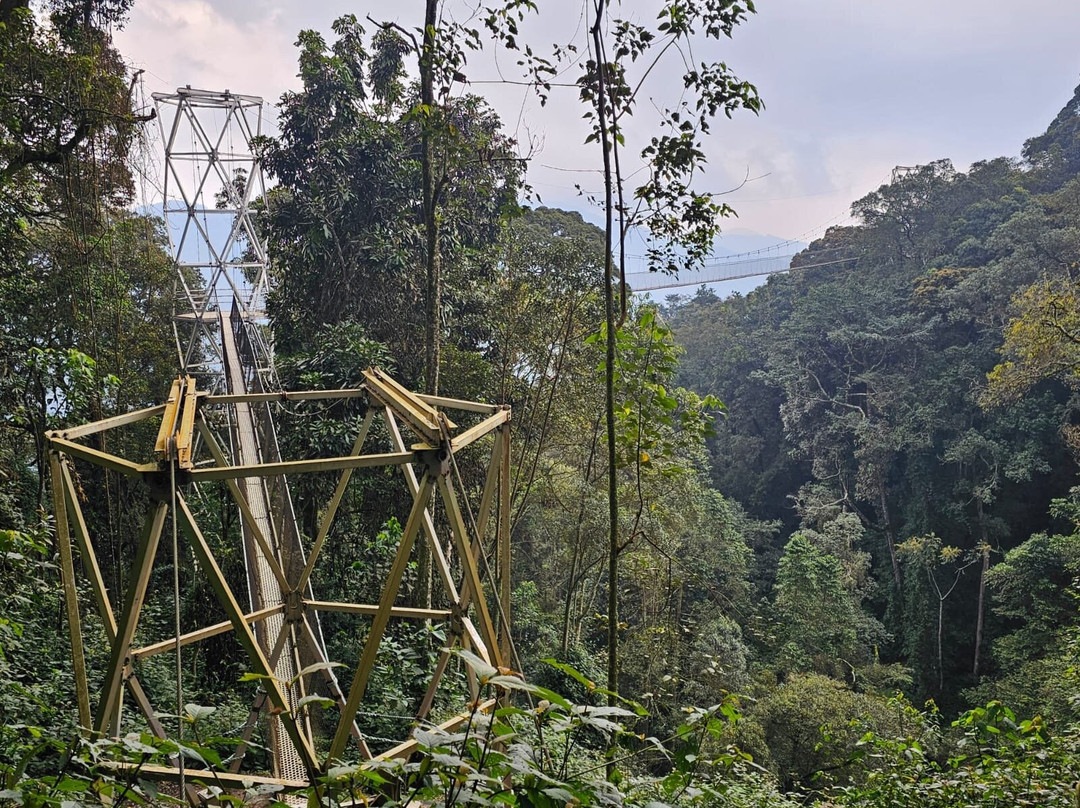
column 177, row 447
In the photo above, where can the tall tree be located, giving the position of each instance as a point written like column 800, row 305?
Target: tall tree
column 681, row 221
column 83, row 281
column 348, row 224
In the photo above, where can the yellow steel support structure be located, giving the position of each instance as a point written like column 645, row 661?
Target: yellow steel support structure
column 467, row 595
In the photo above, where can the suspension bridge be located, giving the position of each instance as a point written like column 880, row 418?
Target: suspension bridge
column 735, row 267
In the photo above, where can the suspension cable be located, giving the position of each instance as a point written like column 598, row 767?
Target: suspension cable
column 176, row 615
column 504, row 618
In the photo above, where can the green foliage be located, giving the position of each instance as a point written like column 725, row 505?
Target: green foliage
column 653, row 423
column 1032, row 588
column 82, row 276
column 1055, row 154
column 33, row 648
column 856, row 392
column 334, row 358
column 345, row 224
column 817, row 617
column 548, row 754
column 808, row 730
column 998, row 760
column 860, row 387
column 1033, row 591
column 686, row 557
column 62, row 93
column 1040, row 341
column 40, row 771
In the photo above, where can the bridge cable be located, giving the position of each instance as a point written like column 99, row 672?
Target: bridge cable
column 504, row 619
column 176, row 615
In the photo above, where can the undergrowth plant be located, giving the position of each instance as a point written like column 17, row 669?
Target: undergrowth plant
column 520, row 745
column 549, row 752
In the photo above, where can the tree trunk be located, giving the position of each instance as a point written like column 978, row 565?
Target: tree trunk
column 432, row 326
column 982, row 592
column 890, row 537
column 609, row 364
column 940, row 636
column 431, row 225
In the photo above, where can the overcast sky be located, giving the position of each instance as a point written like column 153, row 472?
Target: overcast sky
column 851, row 87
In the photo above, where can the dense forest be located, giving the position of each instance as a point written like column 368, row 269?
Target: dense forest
column 847, row 522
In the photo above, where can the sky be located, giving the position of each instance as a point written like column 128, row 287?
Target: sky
column 851, row 89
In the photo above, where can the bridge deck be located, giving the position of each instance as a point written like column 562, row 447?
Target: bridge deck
column 264, row 587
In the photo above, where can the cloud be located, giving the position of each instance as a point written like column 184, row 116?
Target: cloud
column 851, row 87
column 181, row 42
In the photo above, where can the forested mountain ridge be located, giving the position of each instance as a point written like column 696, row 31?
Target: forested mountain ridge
column 924, row 392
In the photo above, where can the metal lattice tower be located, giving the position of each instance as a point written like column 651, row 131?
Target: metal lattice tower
column 212, row 178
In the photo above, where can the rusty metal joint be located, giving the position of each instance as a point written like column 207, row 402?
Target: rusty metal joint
column 437, row 461
column 295, row 607
column 457, row 620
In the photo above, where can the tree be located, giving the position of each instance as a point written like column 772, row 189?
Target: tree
column 681, row 222
column 859, row 387
column 809, row 731
column 1054, row 155
column 63, row 98
column 83, row 281
column 346, row 224
column 816, row 614
column 440, row 55
column 544, row 307
column 1042, row 341
column 928, row 553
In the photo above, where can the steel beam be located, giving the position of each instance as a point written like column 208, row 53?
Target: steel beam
column 71, row 433
column 437, row 554
column 243, row 632
column 370, row 610
column 301, row 466
column 406, row 749
column 483, row 428
column 469, row 569
column 379, row 622
column 458, row 404
column 285, row 396
column 108, row 712
column 71, row 593
column 103, row 459
column 202, row 634
column 502, row 545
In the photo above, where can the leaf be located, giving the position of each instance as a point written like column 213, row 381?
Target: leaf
column 552, row 697
column 572, row 672
column 191, row 753
column 435, row 740
column 483, row 670
column 560, row 794
column 449, row 760
column 251, row 676
column 511, row 683
column 314, row 698
column 197, row 712
column 315, row 668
